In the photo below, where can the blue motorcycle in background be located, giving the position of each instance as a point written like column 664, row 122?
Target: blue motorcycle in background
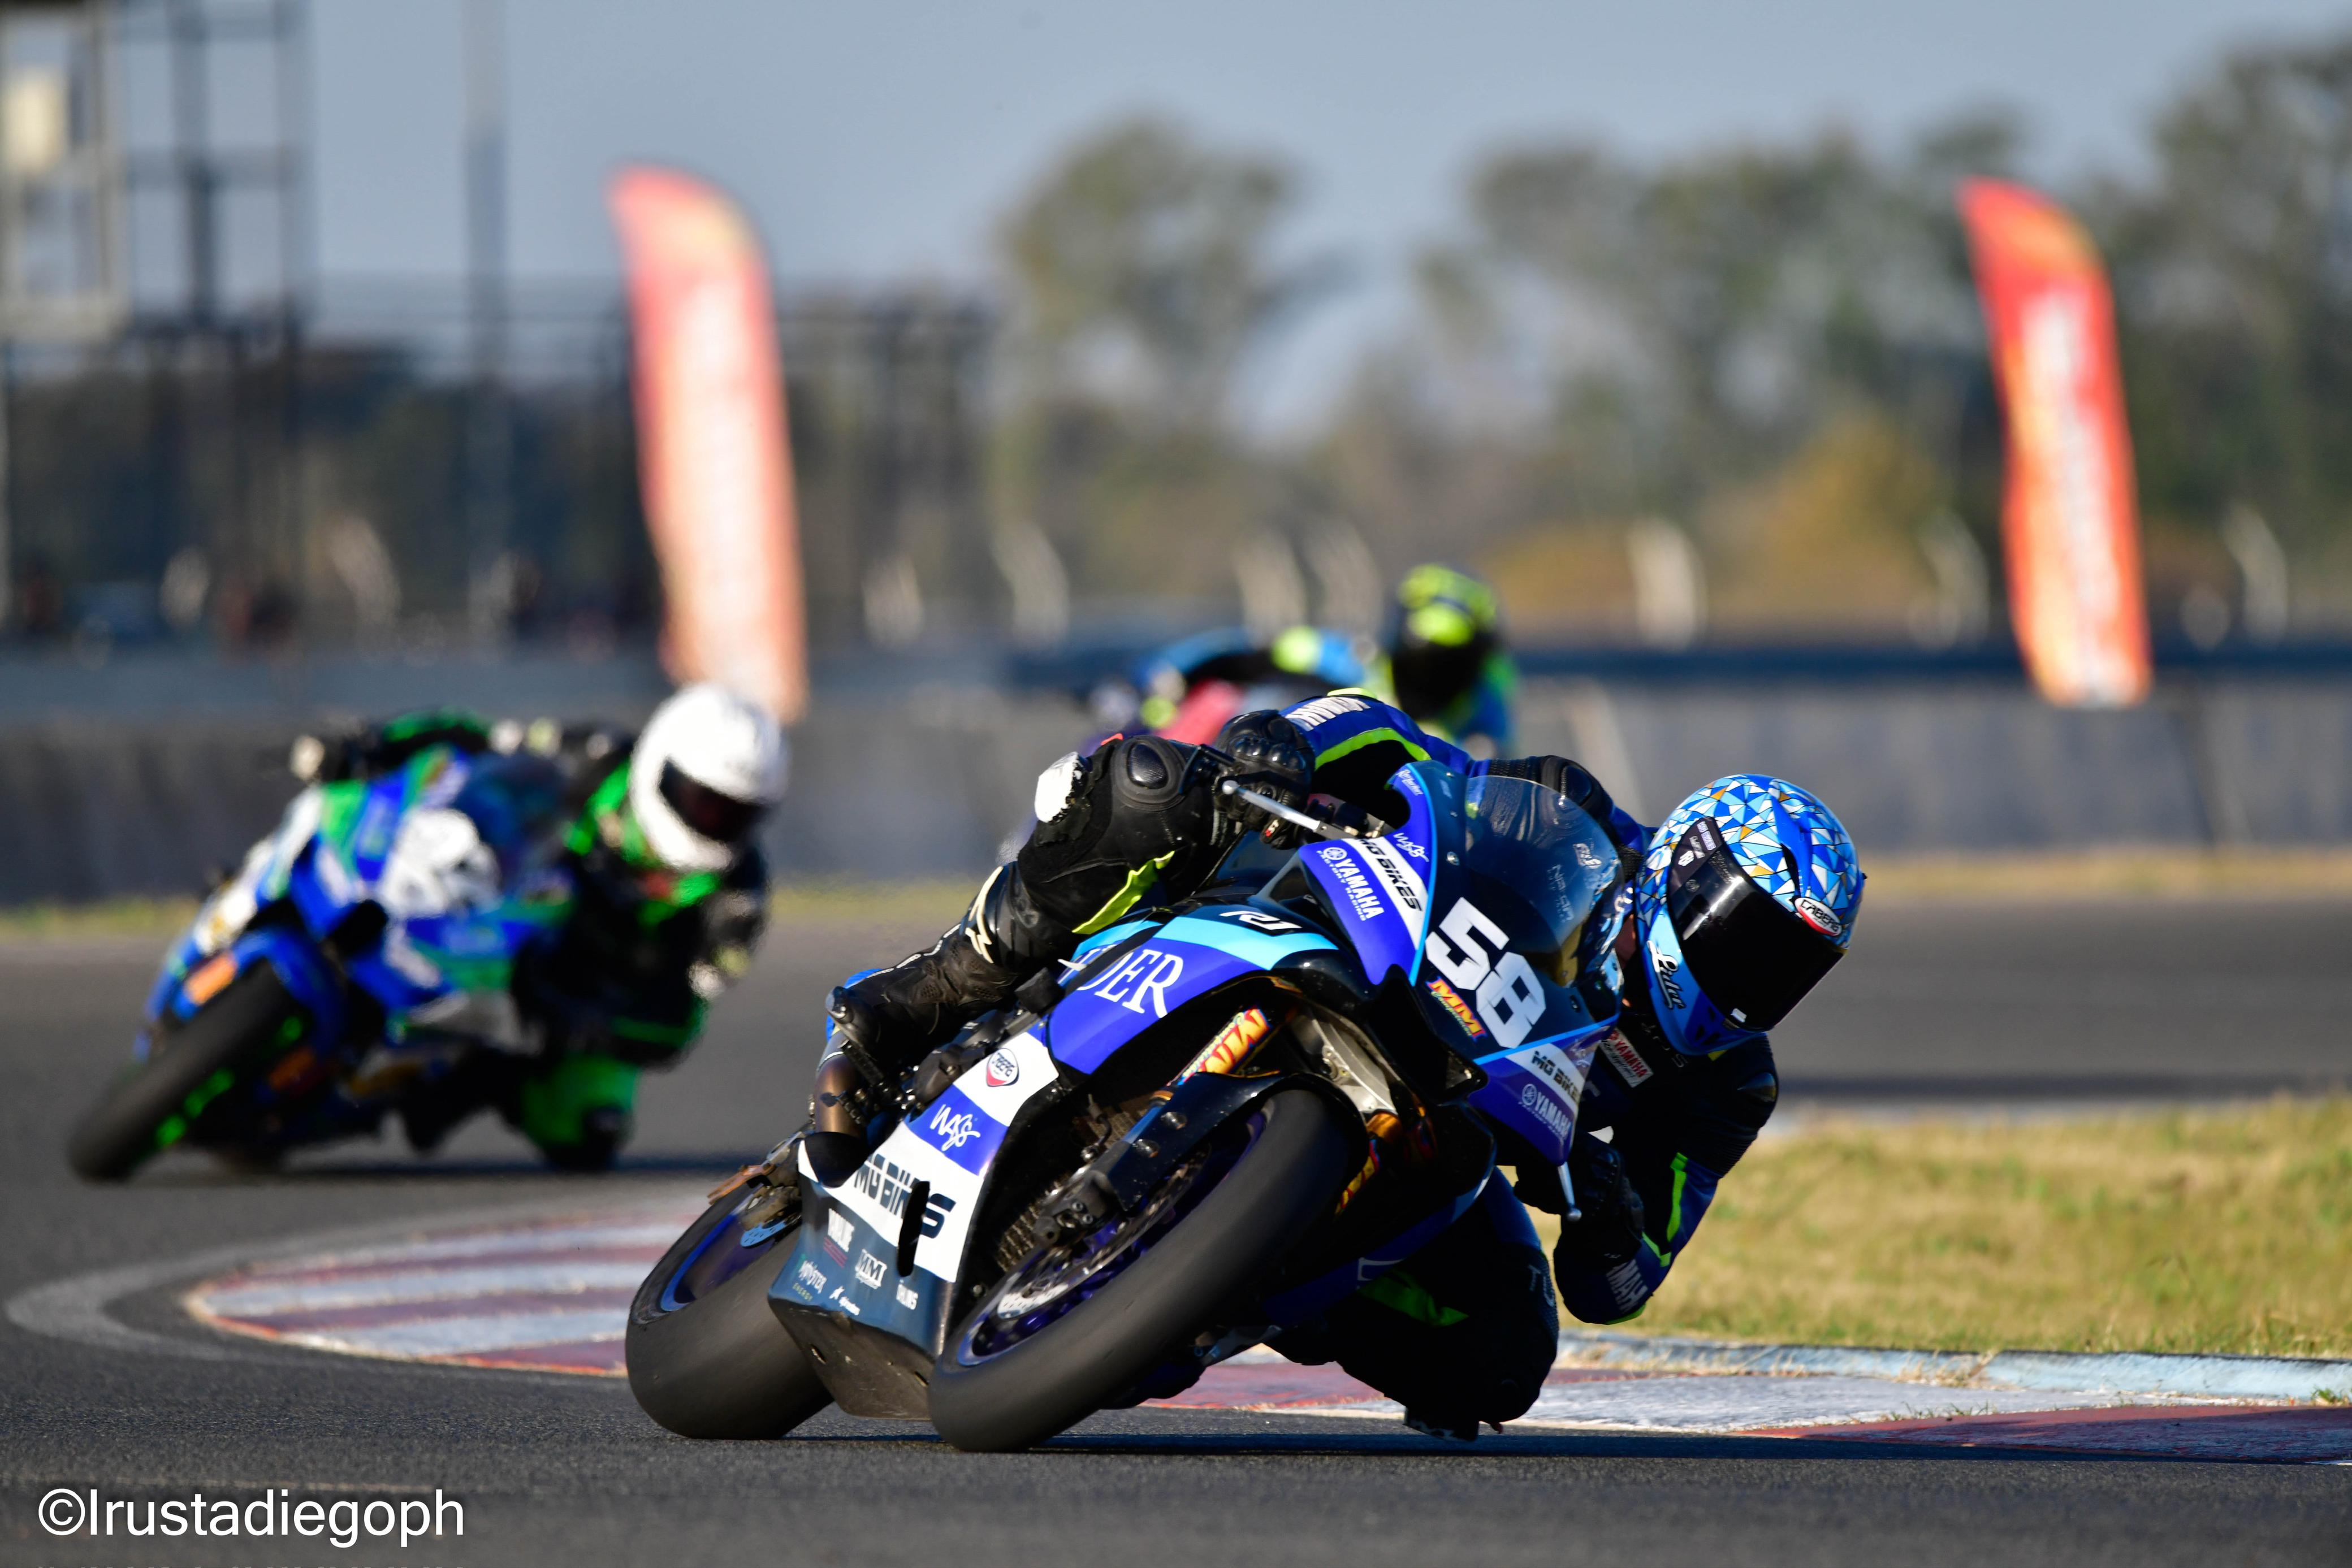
column 1220, row 1121
column 363, row 948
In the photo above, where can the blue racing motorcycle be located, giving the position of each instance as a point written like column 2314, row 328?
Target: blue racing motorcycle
column 362, row 949
column 1216, row 1121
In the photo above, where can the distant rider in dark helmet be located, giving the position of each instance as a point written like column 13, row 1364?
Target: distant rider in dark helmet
column 1442, row 662
column 1446, row 662
column 669, row 898
column 1728, row 914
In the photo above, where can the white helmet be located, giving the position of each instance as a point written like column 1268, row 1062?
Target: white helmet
column 708, row 767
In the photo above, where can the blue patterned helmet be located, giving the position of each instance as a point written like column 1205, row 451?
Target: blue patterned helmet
column 1747, row 897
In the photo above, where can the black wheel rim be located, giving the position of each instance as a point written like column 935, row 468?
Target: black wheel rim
column 1055, row 1281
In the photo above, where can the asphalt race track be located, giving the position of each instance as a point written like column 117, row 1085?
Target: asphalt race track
column 1956, row 1005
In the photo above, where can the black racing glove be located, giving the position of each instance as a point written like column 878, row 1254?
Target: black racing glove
column 568, row 1022
column 1611, row 1230
column 1269, row 757
column 732, row 919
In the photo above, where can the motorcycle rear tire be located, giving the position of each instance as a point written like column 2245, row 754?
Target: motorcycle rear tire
column 721, row 1365
column 238, row 1032
column 1282, row 1184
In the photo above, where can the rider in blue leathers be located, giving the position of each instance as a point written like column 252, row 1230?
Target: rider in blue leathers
column 1729, row 913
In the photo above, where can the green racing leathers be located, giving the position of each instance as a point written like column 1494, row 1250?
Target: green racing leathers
column 624, row 982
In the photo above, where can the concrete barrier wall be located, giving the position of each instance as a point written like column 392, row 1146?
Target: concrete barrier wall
column 93, row 812
column 1966, row 767
column 930, row 782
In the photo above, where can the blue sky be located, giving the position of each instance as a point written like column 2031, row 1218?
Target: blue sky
column 878, row 139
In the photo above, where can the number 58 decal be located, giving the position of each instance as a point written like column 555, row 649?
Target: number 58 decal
column 1510, row 998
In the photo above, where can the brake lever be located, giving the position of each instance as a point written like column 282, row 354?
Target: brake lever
column 1359, row 822
column 1370, row 827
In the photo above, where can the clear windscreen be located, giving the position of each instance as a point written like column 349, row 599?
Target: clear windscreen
column 1537, row 864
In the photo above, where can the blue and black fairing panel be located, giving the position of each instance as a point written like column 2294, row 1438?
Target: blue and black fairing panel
column 1536, row 1089
column 1380, row 889
column 1132, row 975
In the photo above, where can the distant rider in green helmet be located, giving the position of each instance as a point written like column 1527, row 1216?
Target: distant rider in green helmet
column 670, row 898
column 1442, row 661
column 1447, row 665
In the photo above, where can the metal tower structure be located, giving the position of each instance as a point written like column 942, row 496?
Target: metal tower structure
column 135, row 211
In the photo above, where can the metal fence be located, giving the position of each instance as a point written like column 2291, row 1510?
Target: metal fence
column 346, row 476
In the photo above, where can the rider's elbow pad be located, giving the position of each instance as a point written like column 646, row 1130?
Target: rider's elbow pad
column 1130, row 819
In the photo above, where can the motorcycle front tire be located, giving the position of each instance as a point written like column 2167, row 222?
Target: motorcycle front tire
column 153, row 1105
column 720, row 1366
column 1280, row 1186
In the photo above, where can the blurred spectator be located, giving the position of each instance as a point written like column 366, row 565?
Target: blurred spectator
column 40, row 608
column 258, row 616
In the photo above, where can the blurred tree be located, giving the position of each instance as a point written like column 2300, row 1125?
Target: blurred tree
column 2233, row 276
column 1828, row 540
column 1143, row 269
column 1661, row 339
column 1143, row 275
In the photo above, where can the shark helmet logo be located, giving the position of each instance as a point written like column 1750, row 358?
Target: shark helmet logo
column 1822, row 918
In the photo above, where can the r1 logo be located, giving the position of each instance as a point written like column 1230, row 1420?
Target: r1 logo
column 1510, row 998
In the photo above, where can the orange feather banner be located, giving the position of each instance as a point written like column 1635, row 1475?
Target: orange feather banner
column 712, row 453
column 2070, row 526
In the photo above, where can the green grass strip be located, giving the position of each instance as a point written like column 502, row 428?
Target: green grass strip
column 2222, row 1230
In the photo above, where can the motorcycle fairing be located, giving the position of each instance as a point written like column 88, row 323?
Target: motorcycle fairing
column 1380, row 888
column 846, row 1259
column 304, row 975
column 1181, row 959
column 320, row 863
column 261, row 879
column 1102, row 939
column 422, row 958
column 847, row 1255
column 1534, row 1091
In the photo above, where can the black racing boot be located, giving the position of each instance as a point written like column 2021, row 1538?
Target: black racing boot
column 480, row 1080
column 889, row 1020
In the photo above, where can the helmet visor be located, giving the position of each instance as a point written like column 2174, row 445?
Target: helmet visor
column 713, row 813
column 1753, row 956
column 1431, row 677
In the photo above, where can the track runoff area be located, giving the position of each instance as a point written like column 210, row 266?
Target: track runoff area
column 551, row 1294
column 373, row 1322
